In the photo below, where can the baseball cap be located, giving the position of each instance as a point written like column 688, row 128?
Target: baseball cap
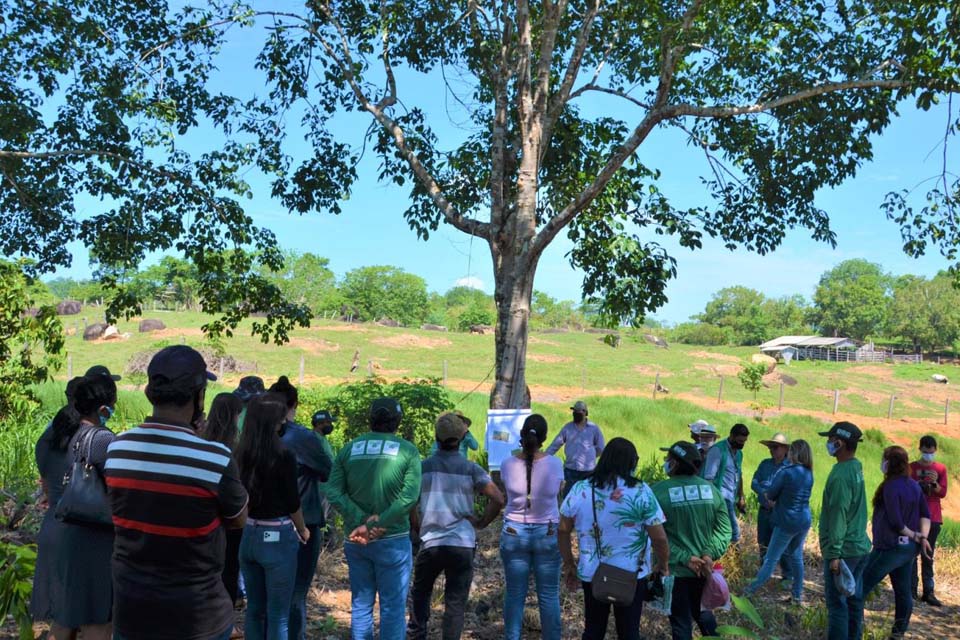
column 579, row 405
column 322, row 416
column 686, row 451
column 450, row 426
column 100, row 370
column 249, row 387
column 845, row 431
column 386, row 409
column 178, row 366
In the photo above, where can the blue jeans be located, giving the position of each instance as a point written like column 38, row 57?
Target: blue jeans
column 306, row 568
column 524, row 547
column 783, row 545
column 764, row 532
column 268, row 562
column 734, row 525
column 898, row 564
column 382, row 567
column 844, row 613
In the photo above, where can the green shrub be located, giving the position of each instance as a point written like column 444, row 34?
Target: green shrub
column 17, row 564
column 701, row 334
column 474, row 315
column 751, row 377
column 877, row 437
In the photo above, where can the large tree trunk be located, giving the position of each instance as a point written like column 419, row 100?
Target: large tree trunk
column 513, row 291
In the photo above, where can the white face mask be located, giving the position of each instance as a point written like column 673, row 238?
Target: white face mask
column 928, row 457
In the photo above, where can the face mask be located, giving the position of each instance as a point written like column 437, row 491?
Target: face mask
column 928, row 457
column 832, row 448
column 736, row 445
column 326, row 429
column 883, row 467
column 577, row 416
column 104, row 418
column 667, row 467
column 705, row 445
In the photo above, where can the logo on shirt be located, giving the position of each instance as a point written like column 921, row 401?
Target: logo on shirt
column 359, row 448
column 706, row 492
column 374, row 447
column 676, row 494
column 391, row 448
column 693, row 492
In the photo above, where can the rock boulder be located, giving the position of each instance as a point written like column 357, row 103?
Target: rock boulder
column 759, row 358
column 68, row 308
column 149, row 324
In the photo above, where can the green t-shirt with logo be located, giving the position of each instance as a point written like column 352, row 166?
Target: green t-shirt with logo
column 377, row 473
column 697, row 521
column 843, row 513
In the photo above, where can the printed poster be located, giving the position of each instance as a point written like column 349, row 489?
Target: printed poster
column 503, row 434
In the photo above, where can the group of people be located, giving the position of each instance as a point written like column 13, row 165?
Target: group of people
column 211, row 508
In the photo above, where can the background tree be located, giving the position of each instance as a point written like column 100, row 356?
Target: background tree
column 851, row 300
column 751, row 85
column 925, row 313
column 788, row 315
column 741, row 311
column 380, row 292
column 307, row 279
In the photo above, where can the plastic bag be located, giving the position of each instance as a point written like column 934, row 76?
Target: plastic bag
column 716, row 593
column 844, row 581
column 662, row 592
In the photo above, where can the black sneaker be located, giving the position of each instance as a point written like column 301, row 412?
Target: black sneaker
column 931, row 600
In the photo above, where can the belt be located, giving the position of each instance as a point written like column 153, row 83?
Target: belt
column 277, row 522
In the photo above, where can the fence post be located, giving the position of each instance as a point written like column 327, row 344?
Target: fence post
column 301, row 369
column 946, row 412
column 656, row 385
column 836, row 400
column 890, row 407
column 781, row 396
column 583, row 378
column 183, row 339
column 69, row 366
column 370, row 367
column 221, row 369
column 720, row 392
column 444, row 373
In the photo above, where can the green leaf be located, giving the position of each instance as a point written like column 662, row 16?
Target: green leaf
column 746, row 607
column 732, row 631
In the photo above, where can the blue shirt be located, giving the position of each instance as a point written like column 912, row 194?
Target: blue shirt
column 790, row 489
column 313, row 467
column 447, row 487
column 582, row 446
column 762, row 477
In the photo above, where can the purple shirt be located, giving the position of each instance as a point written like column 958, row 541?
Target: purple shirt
column 903, row 505
column 582, row 446
column 545, row 482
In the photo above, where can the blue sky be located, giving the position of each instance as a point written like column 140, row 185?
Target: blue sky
column 371, row 229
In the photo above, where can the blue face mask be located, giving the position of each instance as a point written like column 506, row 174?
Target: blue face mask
column 104, row 418
column 667, row 467
column 928, row 457
column 832, row 448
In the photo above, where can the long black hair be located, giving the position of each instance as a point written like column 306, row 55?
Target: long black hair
column 532, row 436
column 259, row 447
column 222, row 419
column 618, row 461
column 92, row 393
column 67, row 420
column 289, row 392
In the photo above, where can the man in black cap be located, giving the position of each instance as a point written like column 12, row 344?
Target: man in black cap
column 374, row 484
column 698, row 530
column 100, row 370
column 172, row 493
column 249, row 388
column 843, row 531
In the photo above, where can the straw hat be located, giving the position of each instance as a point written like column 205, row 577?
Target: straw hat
column 778, row 440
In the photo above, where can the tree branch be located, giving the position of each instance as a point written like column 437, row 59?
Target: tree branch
column 390, row 98
column 548, row 41
column 498, row 135
column 612, row 92
column 668, row 65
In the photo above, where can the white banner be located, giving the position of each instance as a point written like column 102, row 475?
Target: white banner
column 503, row 434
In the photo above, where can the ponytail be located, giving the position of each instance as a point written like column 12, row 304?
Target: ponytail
column 532, row 437
column 287, row 390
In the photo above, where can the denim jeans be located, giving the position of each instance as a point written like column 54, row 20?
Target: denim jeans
column 685, row 609
column 526, row 547
column 783, row 544
column 306, row 568
column 898, row 564
column 764, row 532
column 844, row 613
column 734, row 524
column 380, row 568
column 456, row 564
column 626, row 619
column 268, row 561
column 926, row 566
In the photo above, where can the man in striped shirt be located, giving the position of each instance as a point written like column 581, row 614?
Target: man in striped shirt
column 172, row 493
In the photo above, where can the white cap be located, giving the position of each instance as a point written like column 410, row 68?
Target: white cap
column 695, row 427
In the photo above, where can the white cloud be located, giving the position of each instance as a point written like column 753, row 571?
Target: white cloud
column 470, row 281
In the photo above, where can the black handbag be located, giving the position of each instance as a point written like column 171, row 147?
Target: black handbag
column 84, row 500
column 610, row 583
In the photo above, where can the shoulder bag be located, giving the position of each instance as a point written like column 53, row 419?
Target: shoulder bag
column 610, row 583
column 84, row 499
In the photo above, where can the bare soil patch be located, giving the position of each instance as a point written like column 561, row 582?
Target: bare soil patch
column 410, row 341
column 719, row 369
column 536, row 340
column 176, row 333
column 650, row 371
column 714, row 356
column 314, row 346
column 340, row 327
column 543, row 357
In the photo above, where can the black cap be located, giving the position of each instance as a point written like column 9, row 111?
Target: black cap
column 386, row 409
column 846, row 431
column 100, row 370
column 683, row 450
column 322, row 416
column 250, row 387
column 180, row 366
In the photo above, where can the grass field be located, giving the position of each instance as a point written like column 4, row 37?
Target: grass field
column 617, row 384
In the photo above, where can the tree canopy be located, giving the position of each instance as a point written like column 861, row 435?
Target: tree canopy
column 782, row 99
column 851, row 299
